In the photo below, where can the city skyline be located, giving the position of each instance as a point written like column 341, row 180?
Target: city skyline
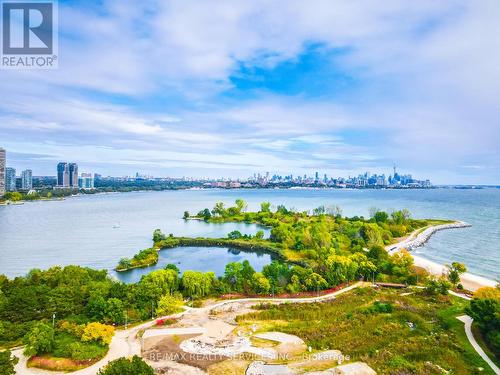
column 228, row 89
column 69, row 173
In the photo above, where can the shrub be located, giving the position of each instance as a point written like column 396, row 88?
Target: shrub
column 124, row 366
column 98, row 332
column 7, row 362
column 86, row 351
column 169, row 304
column 379, row 307
column 39, row 340
column 435, row 286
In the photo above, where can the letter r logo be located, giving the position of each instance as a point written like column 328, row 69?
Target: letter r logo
column 27, row 28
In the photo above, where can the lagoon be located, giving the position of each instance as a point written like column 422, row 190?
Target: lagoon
column 96, row 231
column 198, row 259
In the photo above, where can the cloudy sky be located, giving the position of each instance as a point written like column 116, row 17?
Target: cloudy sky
column 229, row 88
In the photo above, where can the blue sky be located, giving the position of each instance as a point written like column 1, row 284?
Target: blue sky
column 229, row 88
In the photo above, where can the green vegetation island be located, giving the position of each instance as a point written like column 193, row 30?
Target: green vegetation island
column 298, row 238
column 393, row 316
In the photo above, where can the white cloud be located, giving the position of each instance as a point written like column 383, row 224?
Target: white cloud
column 428, row 92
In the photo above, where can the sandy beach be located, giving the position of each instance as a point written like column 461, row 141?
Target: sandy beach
column 469, row 281
column 420, row 237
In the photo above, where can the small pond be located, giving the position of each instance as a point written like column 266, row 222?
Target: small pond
column 198, row 259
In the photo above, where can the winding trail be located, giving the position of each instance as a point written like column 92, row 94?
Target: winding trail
column 468, row 331
column 125, row 342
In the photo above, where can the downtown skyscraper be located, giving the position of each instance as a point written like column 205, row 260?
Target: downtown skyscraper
column 73, row 175
column 67, row 175
column 62, row 175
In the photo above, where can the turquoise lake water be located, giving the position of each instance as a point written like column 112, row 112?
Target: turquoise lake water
column 97, row 231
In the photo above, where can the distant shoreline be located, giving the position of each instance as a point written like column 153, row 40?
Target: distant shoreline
column 297, row 188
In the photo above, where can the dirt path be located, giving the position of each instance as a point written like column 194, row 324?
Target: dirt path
column 125, row 342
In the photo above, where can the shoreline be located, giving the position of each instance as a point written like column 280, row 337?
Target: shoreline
column 419, row 238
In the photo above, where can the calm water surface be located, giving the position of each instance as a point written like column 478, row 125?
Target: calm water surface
column 97, row 231
column 198, row 258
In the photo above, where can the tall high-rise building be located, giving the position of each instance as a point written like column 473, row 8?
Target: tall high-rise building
column 3, row 158
column 86, row 181
column 10, row 179
column 27, row 179
column 73, row 175
column 62, row 175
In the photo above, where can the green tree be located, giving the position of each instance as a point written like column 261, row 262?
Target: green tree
column 13, row 196
column 278, row 275
column 381, row 217
column 241, row 205
column 314, row 282
column 219, row 209
column 366, row 268
column 435, row 286
column 173, row 267
column 401, row 263
column 486, row 313
column 7, row 362
column 39, row 340
column 158, row 236
column 265, row 207
column 321, row 210
column 206, row 214
column 125, row 263
column 238, row 275
column 281, row 233
column 234, row 235
column 340, row 269
column 197, row 284
column 100, row 333
column 114, row 311
column 401, row 217
column 96, row 308
column 372, row 234
column 159, row 282
column 454, row 272
column 378, row 255
column 124, row 366
column 169, row 304
column 260, row 283
column 186, row 215
column 259, row 235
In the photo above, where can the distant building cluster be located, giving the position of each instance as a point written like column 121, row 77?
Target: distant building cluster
column 67, row 177
column 9, row 182
column 365, row 180
column 3, row 160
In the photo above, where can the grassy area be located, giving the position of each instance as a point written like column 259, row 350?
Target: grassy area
column 393, row 333
column 69, row 354
column 58, row 364
column 478, row 335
